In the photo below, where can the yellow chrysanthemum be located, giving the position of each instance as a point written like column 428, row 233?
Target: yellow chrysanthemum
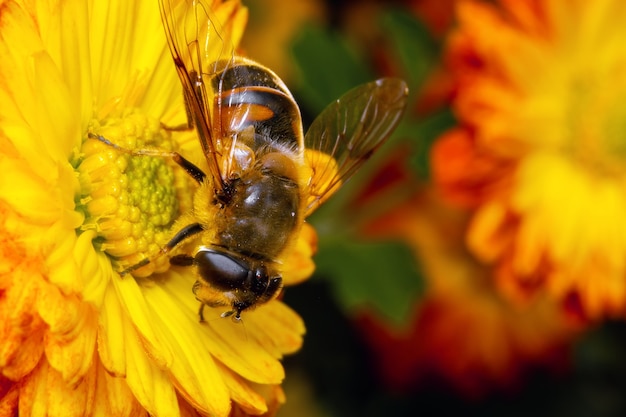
column 75, row 337
column 540, row 150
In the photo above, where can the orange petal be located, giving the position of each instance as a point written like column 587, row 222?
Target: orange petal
column 44, row 392
column 66, row 351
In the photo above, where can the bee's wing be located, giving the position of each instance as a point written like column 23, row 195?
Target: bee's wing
column 200, row 48
column 348, row 131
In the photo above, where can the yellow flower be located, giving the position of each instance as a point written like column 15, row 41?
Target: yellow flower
column 539, row 153
column 75, row 337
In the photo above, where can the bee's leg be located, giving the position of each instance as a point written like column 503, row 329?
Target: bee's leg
column 191, row 169
column 235, row 315
column 183, row 260
column 227, row 313
column 181, row 235
column 178, row 128
column 201, row 312
column 197, row 287
column 132, row 268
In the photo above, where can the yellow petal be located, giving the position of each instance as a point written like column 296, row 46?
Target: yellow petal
column 111, row 334
column 70, row 52
column 20, row 40
column 244, row 355
column 31, row 198
column 63, row 272
column 150, row 384
column 95, row 268
column 55, row 108
column 194, row 369
column 113, row 397
column 227, row 341
column 242, row 393
column 140, row 315
column 111, row 59
column 276, row 327
column 298, row 262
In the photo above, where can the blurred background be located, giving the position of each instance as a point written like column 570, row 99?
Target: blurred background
column 469, row 267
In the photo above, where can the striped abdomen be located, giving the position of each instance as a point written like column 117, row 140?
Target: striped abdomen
column 248, row 94
column 255, row 108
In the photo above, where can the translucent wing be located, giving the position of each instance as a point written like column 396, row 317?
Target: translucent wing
column 201, row 48
column 347, row 133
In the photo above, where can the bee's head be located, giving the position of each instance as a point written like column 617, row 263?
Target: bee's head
column 248, row 281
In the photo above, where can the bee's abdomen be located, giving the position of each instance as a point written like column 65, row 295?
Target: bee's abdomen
column 262, row 216
column 251, row 95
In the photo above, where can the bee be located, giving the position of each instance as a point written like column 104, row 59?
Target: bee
column 264, row 175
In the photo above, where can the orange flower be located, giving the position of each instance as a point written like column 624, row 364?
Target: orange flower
column 539, row 152
column 463, row 331
column 438, row 15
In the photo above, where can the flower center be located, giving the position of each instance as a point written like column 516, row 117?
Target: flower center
column 130, row 201
column 599, row 125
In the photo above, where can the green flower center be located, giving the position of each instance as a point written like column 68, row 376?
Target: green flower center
column 131, row 201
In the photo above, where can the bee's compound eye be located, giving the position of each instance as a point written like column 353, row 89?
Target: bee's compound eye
column 221, row 270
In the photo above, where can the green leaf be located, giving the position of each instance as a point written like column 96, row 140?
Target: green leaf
column 383, row 275
column 416, row 49
column 423, row 133
column 328, row 66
